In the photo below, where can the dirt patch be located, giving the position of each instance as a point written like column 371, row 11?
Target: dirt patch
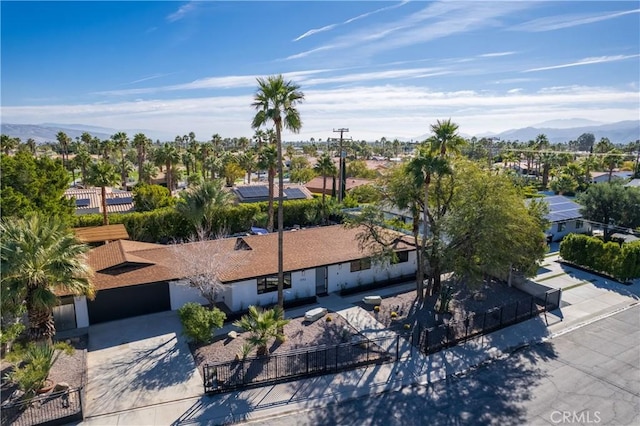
column 465, row 301
column 300, row 334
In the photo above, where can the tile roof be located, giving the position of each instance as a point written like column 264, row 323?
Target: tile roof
column 94, row 204
column 315, row 184
column 257, row 256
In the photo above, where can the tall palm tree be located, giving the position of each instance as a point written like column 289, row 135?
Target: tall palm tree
column 149, row 171
column 103, row 174
column 82, row 160
column 248, row 161
column 445, row 138
column 31, row 145
column 268, row 159
column 422, row 168
column 168, row 155
column 276, row 101
column 40, row 258
column 121, row 142
column 142, row 144
column 325, row 167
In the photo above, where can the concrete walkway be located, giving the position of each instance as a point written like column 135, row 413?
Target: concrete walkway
column 584, row 305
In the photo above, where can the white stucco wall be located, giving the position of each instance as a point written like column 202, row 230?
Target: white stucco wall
column 82, row 312
column 570, row 227
column 340, row 276
column 183, row 293
column 303, row 284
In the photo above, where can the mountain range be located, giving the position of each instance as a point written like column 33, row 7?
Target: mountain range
column 621, row 132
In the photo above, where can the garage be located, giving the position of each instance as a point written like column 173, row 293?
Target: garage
column 125, row 302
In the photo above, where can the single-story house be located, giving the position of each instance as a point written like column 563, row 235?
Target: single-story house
column 89, row 200
column 565, row 217
column 134, row 278
column 600, row 177
column 315, row 184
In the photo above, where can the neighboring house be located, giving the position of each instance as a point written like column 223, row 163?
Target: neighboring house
column 565, row 217
column 89, row 201
column 257, row 193
column 135, row 278
column 315, row 184
column 600, row 177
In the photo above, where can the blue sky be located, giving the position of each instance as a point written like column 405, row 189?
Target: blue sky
column 379, row 68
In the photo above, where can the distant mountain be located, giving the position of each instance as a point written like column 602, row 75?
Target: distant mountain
column 620, row 132
column 568, row 123
column 47, row 132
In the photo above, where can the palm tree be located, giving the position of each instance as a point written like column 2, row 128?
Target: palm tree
column 325, row 167
column 267, row 159
column 82, row 160
column 200, row 204
column 276, row 101
column 446, row 138
column 168, row 155
column 422, row 168
column 40, row 259
column 121, row 142
column 262, row 325
column 141, row 143
column 248, row 161
column 149, row 171
column 31, row 145
column 103, row 174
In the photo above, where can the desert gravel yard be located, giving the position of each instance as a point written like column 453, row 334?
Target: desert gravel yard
column 300, row 334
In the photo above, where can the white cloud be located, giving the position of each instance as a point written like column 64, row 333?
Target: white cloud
column 496, row 54
column 585, row 61
column 552, row 23
column 182, row 11
column 348, row 21
column 370, row 112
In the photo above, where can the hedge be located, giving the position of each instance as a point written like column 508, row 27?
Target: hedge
column 619, row 261
column 166, row 224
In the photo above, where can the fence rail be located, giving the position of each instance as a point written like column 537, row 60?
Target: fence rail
column 52, row 409
column 227, row 376
column 434, row 339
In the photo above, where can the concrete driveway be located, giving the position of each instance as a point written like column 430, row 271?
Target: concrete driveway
column 138, row 362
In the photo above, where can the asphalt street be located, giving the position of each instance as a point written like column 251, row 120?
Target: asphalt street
column 589, row 376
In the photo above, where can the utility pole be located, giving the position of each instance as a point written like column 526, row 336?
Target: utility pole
column 342, row 170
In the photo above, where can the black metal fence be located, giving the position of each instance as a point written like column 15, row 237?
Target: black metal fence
column 58, row 408
column 434, row 339
column 314, row 361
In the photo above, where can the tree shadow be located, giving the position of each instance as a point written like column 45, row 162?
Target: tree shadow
column 491, row 393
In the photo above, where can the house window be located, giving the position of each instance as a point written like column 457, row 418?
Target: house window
column 561, row 226
column 361, row 264
column 402, row 257
column 270, row 283
column 579, row 224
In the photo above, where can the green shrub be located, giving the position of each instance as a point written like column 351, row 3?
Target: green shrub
column 621, row 262
column 198, row 322
column 37, row 360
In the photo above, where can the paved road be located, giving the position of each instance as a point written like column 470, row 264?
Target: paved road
column 588, row 376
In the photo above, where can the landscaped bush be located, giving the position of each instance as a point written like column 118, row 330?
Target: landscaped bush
column 620, row 262
column 198, row 322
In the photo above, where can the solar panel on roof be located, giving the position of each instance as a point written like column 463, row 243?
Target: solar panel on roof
column 83, row 202
column 119, row 201
column 294, row 194
column 253, row 191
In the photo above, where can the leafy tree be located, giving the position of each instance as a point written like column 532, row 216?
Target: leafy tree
column 491, row 231
column 611, row 204
column 359, row 169
column 151, row 197
column 275, row 101
column 102, row 174
column 586, row 142
column 199, row 323
column 232, row 171
column 262, row 326
column 41, row 258
column 30, row 184
column 365, row 194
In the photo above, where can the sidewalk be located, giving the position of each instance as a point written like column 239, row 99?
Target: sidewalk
column 586, row 302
